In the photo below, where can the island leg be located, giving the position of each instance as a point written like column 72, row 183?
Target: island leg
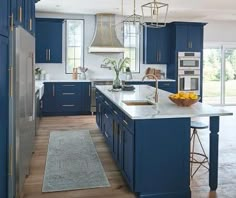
column 214, row 146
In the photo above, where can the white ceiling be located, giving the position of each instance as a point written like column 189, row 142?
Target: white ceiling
column 190, row 10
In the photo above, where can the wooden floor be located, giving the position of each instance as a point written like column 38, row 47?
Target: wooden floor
column 118, row 189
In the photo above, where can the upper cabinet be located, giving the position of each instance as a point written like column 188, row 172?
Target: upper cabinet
column 23, row 14
column 48, row 40
column 187, row 36
column 156, row 45
column 4, row 18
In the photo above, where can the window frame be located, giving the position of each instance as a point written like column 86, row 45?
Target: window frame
column 138, row 46
column 66, row 47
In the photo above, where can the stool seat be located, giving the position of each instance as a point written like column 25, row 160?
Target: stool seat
column 198, row 125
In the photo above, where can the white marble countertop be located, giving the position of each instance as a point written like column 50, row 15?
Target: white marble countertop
column 163, row 109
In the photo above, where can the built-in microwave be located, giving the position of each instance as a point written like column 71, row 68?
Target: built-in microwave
column 189, row 60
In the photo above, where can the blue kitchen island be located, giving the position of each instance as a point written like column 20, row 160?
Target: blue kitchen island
column 150, row 141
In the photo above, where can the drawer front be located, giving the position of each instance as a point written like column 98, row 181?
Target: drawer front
column 128, row 122
column 166, row 84
column 62, row 88
column 68, row 107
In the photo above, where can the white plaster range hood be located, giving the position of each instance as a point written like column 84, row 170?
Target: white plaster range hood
column 105, row 39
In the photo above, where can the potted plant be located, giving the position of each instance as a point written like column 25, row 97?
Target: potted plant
column 83, row 70
column 117, row 66
column 37, row 72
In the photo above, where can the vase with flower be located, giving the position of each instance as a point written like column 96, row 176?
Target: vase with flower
column 83, row 73
column 117, row 66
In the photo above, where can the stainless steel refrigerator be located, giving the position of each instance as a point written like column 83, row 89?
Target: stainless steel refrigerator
column 22, row 107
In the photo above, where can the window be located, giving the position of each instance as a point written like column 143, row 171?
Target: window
column 74, row 44
column 219, row 75
column 131, row 44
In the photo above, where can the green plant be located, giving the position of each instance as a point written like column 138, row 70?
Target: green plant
column 37, row 71
column 119, row 65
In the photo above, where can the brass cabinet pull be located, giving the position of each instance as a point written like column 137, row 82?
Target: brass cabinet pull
column 10, row 172
column 68, row 93
column 72, row 105
column 20, row 14
column 166, row 84
column 53, row 90
column 115, row 112
column 49, row 54
column 30, row 24
column 125, row 122
column 68, row 85
column 106, row 134
column 191, row 44
column 12, row 22
column 89, row 90
column 106, row 115
column 107, row 103
column 46, row 54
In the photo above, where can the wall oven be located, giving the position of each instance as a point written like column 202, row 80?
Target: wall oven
column 189, row 81
column 189, row 60
column 189, row 75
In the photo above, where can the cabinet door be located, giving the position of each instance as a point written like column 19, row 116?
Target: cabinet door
column 128, row 155
column 163, row 52
column 49, row 98
column 3, row 114
column 41, row 39
column 150, row 46
column 167, row 86
column 86, row 96
column 55, row 41
column 48, row 40
column 4, row 17
column 182, row 42
column 195, row 35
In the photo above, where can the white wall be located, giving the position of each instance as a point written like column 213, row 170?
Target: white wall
column 91, row 60
column 220, row 32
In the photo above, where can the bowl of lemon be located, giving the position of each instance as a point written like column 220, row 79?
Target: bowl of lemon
column 184, row 99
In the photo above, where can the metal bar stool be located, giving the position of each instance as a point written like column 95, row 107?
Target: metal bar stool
column 199, row 158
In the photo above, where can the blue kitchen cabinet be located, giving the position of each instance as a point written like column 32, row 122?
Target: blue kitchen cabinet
column 156, row 45
column 128, row 159
column 29, row 15
column 65, row 98
column 3, row 114
column 4, row 17
column 86, row 96
column 188, row 36
column 49, row 98
column 48, row 40
column 168, row 86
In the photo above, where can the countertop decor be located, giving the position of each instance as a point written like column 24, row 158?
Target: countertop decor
column 117, row 66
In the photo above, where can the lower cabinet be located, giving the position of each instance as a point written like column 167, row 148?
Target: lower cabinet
column 66, row 98
column 117, row 135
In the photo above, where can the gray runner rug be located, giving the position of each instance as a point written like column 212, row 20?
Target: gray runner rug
column 72, row 163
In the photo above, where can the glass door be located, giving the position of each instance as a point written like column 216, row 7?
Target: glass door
column 230, row 76
column 212, row 75
column 219, row 89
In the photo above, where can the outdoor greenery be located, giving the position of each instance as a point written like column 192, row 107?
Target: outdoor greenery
column 212, row 64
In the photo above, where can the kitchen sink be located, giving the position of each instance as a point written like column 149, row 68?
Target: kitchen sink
column 138, row 102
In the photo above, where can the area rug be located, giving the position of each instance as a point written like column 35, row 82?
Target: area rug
column 72, row 163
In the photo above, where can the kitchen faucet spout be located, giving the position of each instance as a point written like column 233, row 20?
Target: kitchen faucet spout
column 156, row 91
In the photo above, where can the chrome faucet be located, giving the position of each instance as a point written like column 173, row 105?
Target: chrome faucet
column 156, row 92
